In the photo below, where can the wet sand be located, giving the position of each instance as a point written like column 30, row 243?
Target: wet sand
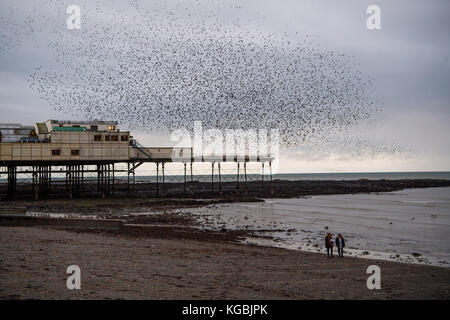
column 179, row 265
column 165, row 255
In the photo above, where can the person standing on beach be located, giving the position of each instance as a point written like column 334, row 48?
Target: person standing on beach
column 340, row 243
column 329, row 244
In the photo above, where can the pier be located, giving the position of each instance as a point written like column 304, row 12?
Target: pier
column 67, row 159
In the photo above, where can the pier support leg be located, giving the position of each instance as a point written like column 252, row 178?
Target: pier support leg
column 113, row 180
column 237, row 178
column 157, row 178
column 212, row 176
column 220, row 179
column 98, row 180
column 107, row 180
column 245, row 177
column 104, row 180
column 45, row 179
column 184, row 185
column 33, row 178
column 163, row 173
column 69, row 177
column 101, row 180
column 163, row 178
column 192, row 180
column 134, row 178
column 271, row 178
column 36, row 182
column 128, row 177
column 49, row 180
column 262, row 177
column 12, row 178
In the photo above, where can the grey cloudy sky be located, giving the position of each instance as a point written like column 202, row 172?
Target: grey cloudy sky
column 408, row 59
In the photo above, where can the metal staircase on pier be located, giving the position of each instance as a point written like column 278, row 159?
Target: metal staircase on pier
column 135, row 144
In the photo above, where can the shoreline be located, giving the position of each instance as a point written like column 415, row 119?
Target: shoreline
column 172, row 263
column 356, row 253
column 42, row 213
column 192, row 262
column 175, row 220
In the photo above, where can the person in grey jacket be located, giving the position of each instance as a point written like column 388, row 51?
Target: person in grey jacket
column 340, row 244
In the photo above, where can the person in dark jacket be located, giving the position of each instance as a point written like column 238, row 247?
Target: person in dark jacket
column 340, row 244
column 329, row 244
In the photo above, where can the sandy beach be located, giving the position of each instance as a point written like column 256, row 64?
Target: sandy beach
column 175, row 265
column 164, row 249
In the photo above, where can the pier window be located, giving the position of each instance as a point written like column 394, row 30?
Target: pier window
column 98, row 137
column 124, row 138
column 114, row 138
column 107, row 138
column 56, row 152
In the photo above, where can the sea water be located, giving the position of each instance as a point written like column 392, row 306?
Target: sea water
column 411, row 225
